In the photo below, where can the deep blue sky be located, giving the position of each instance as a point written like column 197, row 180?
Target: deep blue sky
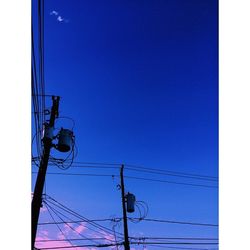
column 140, row 80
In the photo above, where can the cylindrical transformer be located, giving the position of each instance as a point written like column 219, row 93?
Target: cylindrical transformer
column 65, row 140
column 130, row 203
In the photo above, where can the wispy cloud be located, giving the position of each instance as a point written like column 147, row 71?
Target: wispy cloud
column 43, row 240
column 59, row 238
column 44, row 232
column 59, row 17
column 80, row 229
column 54, row 13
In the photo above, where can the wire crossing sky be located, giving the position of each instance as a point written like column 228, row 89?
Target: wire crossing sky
column 138, row 85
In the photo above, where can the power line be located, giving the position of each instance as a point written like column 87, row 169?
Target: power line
column 37, row 104
column 134, row 243
column 45, row 95
column 150, row 170
column 150, row 220
column 63, row 207
column 41, row 52
column 137, row 238
column 97, row 167
column 80, row 224
column 100, row 245
column 172, row 238
column 174, row 243
column 171, row 182
column 168, row 247
column 174, row 172
column 59, row 240
column 55, row 211
column 133, row 177
column 145, row 171
column 99, row 163
column 72, row 174
column 146, row 168
column 182, row 222
column 57, row 225
column 169, row 174
column 79, row 221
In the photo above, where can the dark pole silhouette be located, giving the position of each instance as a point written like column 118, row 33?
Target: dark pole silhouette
column 125, row 222
column 37, row 196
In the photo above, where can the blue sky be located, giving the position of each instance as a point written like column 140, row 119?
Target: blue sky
column 140, row 80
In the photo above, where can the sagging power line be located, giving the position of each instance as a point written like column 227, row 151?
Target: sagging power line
column 80, row 164
column 134, row 177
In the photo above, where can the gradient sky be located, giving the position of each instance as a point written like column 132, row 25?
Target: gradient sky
column 140, row 80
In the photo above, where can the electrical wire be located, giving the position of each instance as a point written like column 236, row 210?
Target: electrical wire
column 63, row 207
column 34, row 159
column 172, row 238
column 108, row 167
column 41, row 55
column 168, row 247
column 38, row 85
column 137, row 178
column 99, row 163
column 68, row 224
column 146, row 168
column 174, row 172
column 79, row 221
column 174, row 243
column 43, row 68
column 34, row 99
column 105, row 229
column 150, row 220
column 58, row 240
column 72, row 174
column 68, row 118
column 119, row 244
column 172, row 182
column 156, row 172
column 100, row 245
column 169, row 174
column 145, row 207
column 47, row 206
column 93, row 167
column 182, row 222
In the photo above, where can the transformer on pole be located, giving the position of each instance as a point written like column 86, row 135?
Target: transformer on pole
column 47, row 140
column 125, row 222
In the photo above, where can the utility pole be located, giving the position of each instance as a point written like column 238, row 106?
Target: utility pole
column 37, row 196
column 125, row 222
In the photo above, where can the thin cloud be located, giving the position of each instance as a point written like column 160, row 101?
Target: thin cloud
column 80, row 229
column 59, row 18
column 54, row 13
column 44, row 232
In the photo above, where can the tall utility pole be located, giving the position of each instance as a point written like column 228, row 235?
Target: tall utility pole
column 125, row 222
column 37, row 196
